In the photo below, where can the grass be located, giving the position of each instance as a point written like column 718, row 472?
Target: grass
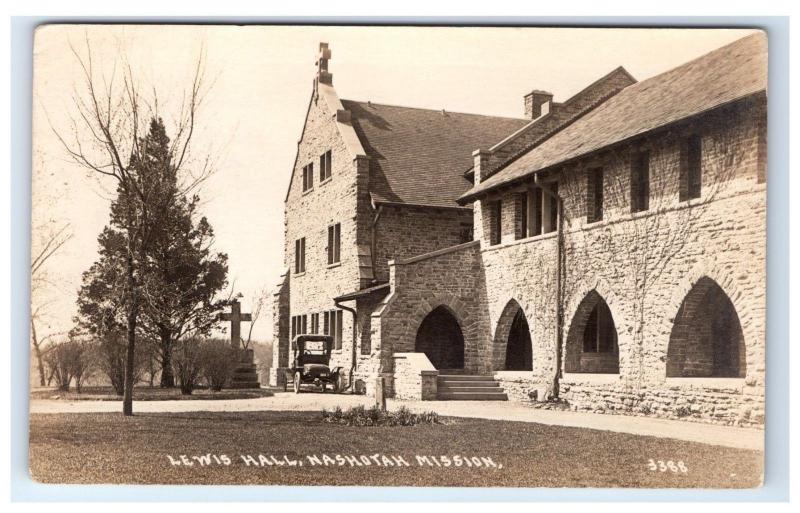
column 109, row 448
column 374, row 416
column 145, row 393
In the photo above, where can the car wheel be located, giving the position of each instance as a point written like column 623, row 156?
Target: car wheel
column 296, row 382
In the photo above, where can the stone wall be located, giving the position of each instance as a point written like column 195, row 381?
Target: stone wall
column 414, row 377
column 644, row 265
column 405, row 231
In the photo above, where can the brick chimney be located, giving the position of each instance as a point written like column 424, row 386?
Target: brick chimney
column 322, row 64
column 535, row 101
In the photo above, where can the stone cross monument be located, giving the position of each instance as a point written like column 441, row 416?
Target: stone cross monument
column 236, row 317
column 246, row 373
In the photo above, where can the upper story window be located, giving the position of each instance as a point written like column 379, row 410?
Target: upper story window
column 496, row 219
column 300, row 255
column 594, row 195
column 325, row 166
column 308, row 177
column 334, row 243
column 640, row 181
column 691, row 172
column 521, row 215
column 542, row 210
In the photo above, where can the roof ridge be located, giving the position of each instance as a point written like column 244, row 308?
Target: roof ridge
column 434, row 110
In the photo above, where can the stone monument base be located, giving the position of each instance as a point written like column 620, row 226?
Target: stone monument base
column 246, row 373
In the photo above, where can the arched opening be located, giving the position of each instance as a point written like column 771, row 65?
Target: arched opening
column 519, row 350
column 592, row 338
column 440, row 338
column 706, row 338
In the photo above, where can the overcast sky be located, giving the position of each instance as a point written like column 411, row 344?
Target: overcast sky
column 254, row 112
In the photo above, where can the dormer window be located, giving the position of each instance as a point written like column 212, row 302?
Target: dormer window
column 308, row 177
column 325, row 166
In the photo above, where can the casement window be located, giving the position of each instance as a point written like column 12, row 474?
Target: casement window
column 324, row 166
column 308, row 177
column 691, row 169
column 333, row 326
column 300, row 256
column 496, row 219
column 542, row 210
column 640, row 181
column 299, row 325
column 334, row 243
column 521, row 215
column 315, row 323
column 594, row 195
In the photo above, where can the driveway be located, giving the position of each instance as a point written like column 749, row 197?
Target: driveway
column 727, row 436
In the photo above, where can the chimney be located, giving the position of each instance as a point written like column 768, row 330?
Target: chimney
column 535, row 101
column 322, row 64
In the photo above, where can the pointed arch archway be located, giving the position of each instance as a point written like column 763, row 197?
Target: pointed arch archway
column 513, row 347
column 440, row 337
column 592, row 343
column 706, row 339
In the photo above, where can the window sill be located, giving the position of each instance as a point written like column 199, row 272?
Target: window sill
column 590, row 378
column 707, row 383
column 534, row 238
column 299, row 274
column 334, row 265
column 308, row 191
column 325, row 181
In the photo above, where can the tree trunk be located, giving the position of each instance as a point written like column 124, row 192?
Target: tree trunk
column 133, row 310
column 167, row 374
column 37, row 350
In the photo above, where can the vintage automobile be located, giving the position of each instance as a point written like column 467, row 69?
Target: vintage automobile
column 311, row 357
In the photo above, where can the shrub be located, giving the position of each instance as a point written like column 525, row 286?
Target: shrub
column 69, row 360
column 683, row 411
column 374, row 416
column 218, row 360
column 186, row 360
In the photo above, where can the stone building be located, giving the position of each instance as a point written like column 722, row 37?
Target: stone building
column 608, row 250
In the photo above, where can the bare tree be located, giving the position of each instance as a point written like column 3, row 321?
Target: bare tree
column 51, row 238
column 109, row 124
column 259, row 300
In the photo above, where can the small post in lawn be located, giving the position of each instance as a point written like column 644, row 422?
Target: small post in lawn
column 380, row 393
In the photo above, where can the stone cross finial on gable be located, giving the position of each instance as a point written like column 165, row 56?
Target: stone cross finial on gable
column 322, row 64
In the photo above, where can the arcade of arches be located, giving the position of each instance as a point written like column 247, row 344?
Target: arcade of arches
column 440, row 338
column 706, row 338
column 592, row 338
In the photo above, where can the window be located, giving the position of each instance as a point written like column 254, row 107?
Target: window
column 496, row 215
column 308, row 177
column 594, row 195
column 521, row 224
column 315, row 323
column 299, row 325
column 334, row 243
column 324, row 166
column 300, row 256
column 691, row 172
column 543, row 207
column 333, row 326
column 640, row 181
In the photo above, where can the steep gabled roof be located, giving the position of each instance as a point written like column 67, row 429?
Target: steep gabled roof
column 722, row 76
column 418, row 156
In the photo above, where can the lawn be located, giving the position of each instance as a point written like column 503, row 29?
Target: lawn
column 107, row 393
column 152, row 448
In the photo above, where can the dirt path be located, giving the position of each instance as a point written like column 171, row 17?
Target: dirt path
column 741, row 438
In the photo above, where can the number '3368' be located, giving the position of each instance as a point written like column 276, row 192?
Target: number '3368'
column 663, row 466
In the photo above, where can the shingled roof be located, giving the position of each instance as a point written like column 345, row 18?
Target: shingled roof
column 418, row 156
column 722, row 76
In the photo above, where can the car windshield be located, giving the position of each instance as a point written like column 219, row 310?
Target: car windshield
column 314, row 347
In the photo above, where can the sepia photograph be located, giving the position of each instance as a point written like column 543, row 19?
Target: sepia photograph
column 398, row 256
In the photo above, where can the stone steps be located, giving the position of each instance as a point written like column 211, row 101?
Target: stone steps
column 466, row 387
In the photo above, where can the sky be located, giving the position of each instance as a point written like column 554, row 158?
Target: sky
column 260, row 81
